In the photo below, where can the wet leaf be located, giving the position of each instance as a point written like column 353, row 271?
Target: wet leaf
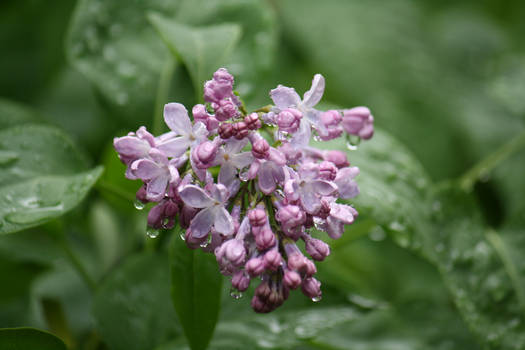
column 29, row 338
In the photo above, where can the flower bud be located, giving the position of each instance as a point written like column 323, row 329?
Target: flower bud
column 254, row 267
column 358, row 121
column 227, row 109
column 289, row 119
column 200, row 114
column 240, row 281
column 291, row 279
column 226, row 130
column 317, row 249
column 327, row 170
column 337, row 157
column 260, row 149
column 240, row 130
column 264, row 239
column 272, row 259
column 204, row 154
column 311, row 288
column 257, row 217
column 252, row 121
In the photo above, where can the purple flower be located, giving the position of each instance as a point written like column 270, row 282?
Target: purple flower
column 289, row 119
column 213, row 211
column 345, row 183
column 177, row 119
column 231, row 160
column 230, row 255
column 132, row 147
column 157, row 172
column 308, row 188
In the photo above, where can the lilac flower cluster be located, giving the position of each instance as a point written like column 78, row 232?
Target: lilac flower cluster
column 248, row 186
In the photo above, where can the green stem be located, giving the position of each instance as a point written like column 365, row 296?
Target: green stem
column 103, row 186
column 484, row 167
column 162, row 94
column 75, row 261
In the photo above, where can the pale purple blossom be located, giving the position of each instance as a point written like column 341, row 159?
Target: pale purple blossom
column 251, row 187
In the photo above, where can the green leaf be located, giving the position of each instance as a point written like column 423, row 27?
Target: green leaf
column 14, row 113
column 393, row 187
column 201, row 49
column 117, row 49
column 42, row 176
column 132, row 307
column 196, row 292
column 29, row 339
column 479, row 268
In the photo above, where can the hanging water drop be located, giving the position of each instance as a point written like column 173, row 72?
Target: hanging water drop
column 235, row 293
column 206, row 242
column 138, row 204
column 152, row 232
column 317, row 298
column 182, row 236
column 165, row 223
column 352, row 142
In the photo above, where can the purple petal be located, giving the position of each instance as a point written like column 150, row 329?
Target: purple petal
column 201, row 223
column 146, row 169
column 324, row 188
column 156, row 188
column 177, row 119
column 131, row 147
column 235, row 146
column 284, row 97
column 309, row 200
column 302, row 137
column 242, row 160
column 195, row 197
column 345, row 182
column 266, row 180
column 314, row 95
column 335, row 228
column 175, row 147
column 223, row 222
column 227, row 174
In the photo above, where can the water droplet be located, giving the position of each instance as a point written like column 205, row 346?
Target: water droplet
column 396, row 226
column 33, row 215
column 182, row 236
column 235, row 293
column 317, row 298
column 377, row 234
column 7, row 157
column 126, row 69
column 138, row 204
column 206, row 242
column 352, row 142
column 165, row 223
column 152, row 232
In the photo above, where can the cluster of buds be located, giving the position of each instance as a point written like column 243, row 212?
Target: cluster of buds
column 248, row 186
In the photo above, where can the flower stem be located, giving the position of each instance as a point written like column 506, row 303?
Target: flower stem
column 484, row 167
column 75, row 260
column 162, row 94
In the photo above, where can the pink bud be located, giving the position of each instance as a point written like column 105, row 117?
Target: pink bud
column 142, row 194
column 311, row 288
column 258, row 305
column 327, row 170
column 263, row 290
column 252, row 121
column 240, row 130
column 265, row 239
column 337, row 157
column 289, row 119
column 260, row 149
column 317, row 249
column 359, row 121
column 204, row 154
column 272, row 260
column 226, row 130
column 240, row 281
column 292, row 279
column 227, row 109
column 254, row 267
column 257, row 217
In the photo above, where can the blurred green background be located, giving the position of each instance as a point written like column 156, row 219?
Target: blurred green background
column 432, row 263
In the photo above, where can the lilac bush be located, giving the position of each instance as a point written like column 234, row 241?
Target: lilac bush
column 249, row 186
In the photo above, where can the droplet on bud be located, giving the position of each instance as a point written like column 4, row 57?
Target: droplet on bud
column 182, row 236
column 138, row 204
column 235, row 294
column 352, row 142
column 165, row 223
column 206, row 242
column 152, row 232
column 316, row 299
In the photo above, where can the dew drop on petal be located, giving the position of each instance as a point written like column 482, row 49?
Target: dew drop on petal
column 206, row 242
